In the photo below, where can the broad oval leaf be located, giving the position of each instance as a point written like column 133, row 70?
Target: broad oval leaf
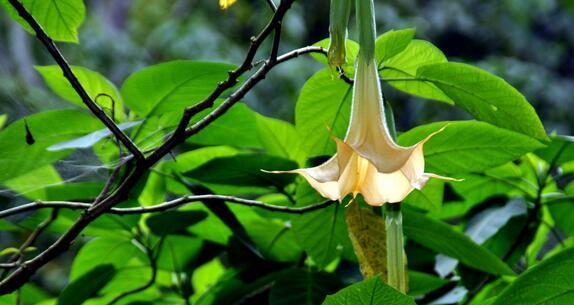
column 59, row 18
column 548, row 283
column 303, row 287
column 369, row 292
column 485, row 96
column 280, row 138
column 400, row 70
column 468, row 146
column 442, row 238
column 171, row 86
column 93, row 82
column 392, row 43
column 324, row 104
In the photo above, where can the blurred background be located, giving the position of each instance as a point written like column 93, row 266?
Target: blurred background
column 530, row 43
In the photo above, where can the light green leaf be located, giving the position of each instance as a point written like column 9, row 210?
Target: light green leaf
column 429, row 198
column 486, row 96
column 392, row 43
column 193, row 159
column 274, row 240
column 171, row 86
column 405, row 64
column 32, row 184
column 548, row 283
column 3, row 119
column 47, row 128
column 369, row 292
column 280, row 138
column 559, row 151
column 59, row 18
column 468, row 146
column 178, row 252
column 93, row 82
column 324, row 103
column 129, row 261
column 442, row 238
column 351, row 50
column 206, row 276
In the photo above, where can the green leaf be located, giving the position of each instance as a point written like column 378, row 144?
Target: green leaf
column 405, row 65
column 351, row 49
column 369, row 292
column 429, row 198
column 174, row 222
column 3, row 119
column 485, row 96
column 47, row 128
column 276, row 241
column 32, row 184
column 87, row 286
column 128, row 260
column 90, row 139
column 237, row 127
column 171, row 86
column 559, row 151
column 280, row 138
column 59, row 18
column 423, row 283
column 178, row 252
column 392, row 43
column 548, row 283
column 442, row 238
column 245, row 170
column 324, row 103
column 303, row 287
column 93, row 82
column 468, row 146
column 322, row 233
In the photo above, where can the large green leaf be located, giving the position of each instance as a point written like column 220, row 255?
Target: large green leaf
column 171, row 86
column 33, row 184
column 275, row 240
column 442, row 238
column 280, row 138
column 322, row 233
column 178, row 252
column 392, row 43
column 59, row 18
column 245, row 170
column 87, row 286
column 548, row 283
column 128, row 260
column 303, row 287
column 560, row 150
column 468, row 146
column 405, row 64
column 422, row 283
column 429, row 198
column 47, row 128
column 486, row 96
column 92, row 81
column 324, row 103
column 369, row 292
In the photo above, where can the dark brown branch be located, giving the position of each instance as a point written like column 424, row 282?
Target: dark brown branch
column 73, row 80
column 28, row 268
column 162, row 206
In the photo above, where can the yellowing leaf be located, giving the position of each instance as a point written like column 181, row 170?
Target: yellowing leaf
column 368, row 236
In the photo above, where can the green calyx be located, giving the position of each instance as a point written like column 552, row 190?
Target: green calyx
column 339, row 18
column 366, row 26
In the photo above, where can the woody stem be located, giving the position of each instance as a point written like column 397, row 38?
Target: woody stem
column 396, row 267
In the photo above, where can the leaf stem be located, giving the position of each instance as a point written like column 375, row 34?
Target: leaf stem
column 396, row 276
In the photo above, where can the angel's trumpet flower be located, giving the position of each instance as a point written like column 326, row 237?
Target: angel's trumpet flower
column 225, row 4
column 368, row 161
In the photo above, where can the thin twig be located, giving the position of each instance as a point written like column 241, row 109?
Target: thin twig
column 168, row 205
column 73, row 80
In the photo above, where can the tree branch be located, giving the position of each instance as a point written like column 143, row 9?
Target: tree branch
column 73, row 80
column 168, row 205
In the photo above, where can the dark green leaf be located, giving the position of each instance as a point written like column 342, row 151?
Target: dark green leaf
column 548, row 283
column 560, row 150
column 275, row 240
column 423, row 283
column 174, row 222
column 303, row 287
column 87, row 286
column 442, row 238
column 177, row 252
column 245, row 169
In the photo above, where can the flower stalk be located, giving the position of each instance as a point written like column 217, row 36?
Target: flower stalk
column 396, row 263
column 340, row 11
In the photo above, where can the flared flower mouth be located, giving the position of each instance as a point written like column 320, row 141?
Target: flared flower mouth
column 368, row 161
